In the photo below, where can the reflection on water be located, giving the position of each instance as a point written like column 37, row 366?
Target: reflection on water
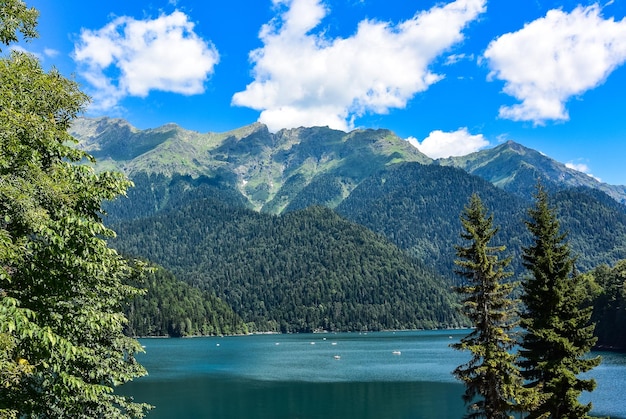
column 348, row 375
column 227, row 398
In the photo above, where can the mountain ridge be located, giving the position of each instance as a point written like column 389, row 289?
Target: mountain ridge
column 261, row 162
column 518, row 165
column 272, row 169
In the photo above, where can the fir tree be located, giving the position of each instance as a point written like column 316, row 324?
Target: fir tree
column 558, row 331
column 491, row 378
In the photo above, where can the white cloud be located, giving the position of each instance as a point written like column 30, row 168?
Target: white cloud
column 555, row 58
column 303, row 78
column 133, row 57
column 581, row 167
column 49, row 52
column 455, row 58
column 441, row 144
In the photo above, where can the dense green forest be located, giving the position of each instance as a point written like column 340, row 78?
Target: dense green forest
column 415, row 206
column 204, row 232
column 171, row 307
column 426, row 223
column 610, row 306
column 299, row 272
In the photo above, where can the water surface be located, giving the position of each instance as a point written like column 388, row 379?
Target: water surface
column 348, row 375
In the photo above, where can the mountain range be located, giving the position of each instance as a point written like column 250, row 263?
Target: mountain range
column 313, row 228
column 271, row 169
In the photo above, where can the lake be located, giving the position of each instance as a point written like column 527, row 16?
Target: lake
column 344, row 375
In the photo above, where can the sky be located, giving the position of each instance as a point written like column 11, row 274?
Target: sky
column 451, row 77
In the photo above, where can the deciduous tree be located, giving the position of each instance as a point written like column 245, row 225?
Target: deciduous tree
column 61, row 287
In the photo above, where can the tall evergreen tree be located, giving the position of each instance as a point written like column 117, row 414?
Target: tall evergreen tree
column 491, row 378
column 556, row 318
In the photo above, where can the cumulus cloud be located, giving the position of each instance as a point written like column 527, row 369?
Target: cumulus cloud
column 555, row 58
column 441, row 144
column 303, row 78
column 131, row 57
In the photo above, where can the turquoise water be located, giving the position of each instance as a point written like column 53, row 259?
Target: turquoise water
column 348, row 375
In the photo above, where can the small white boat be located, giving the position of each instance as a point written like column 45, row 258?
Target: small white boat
column 337, row 357
column 397, row 353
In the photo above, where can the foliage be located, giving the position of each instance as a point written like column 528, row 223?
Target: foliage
column 415, row 206
column 61, row 285
column 491, row 374
column 610, row 306
column 171, row 307
column 13, row 368
column 16, row 17
column 299, row 272
column 152, row 193
column 558, row 333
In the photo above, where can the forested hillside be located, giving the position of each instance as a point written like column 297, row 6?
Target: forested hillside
column 417, row 207
column 171, row 307
column 303, row 271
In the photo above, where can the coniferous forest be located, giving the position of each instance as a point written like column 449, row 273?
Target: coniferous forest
column 171, row 307
column 202, row 231
column 304, row 271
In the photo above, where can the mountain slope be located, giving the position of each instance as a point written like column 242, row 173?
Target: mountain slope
column 269, row 169
column 417, row 207
column 298, row 272
column 516, row 168
column 171, row 307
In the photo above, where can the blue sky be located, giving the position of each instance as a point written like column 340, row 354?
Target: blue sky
column 452, row 76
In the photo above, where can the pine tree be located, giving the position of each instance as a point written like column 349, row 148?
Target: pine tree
column 556, row 318
column 491, row 378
